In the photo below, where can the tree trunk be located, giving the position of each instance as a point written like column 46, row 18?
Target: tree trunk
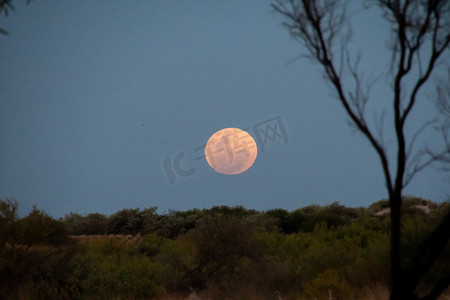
column 395, row 202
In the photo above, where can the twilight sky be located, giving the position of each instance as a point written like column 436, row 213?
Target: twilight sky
column 99, row 100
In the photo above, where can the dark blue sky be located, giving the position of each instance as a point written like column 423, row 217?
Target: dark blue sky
column 95, row 95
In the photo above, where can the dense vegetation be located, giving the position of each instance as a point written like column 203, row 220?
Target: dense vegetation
column 220, row 253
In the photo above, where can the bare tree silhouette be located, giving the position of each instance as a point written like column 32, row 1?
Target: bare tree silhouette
column 420, row 38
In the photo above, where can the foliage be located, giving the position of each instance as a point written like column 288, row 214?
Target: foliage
column 219, row 253
column 110, row 266
column 126, row 221
column 34, row 255
column 39, row 228
column 8, row 216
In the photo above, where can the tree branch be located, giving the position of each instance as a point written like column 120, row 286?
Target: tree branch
column 306, row 20
column 316, row 24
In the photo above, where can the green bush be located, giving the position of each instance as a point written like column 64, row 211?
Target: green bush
column 329, row 285
column 221, row 253
column 34, row 254
column 107, row 267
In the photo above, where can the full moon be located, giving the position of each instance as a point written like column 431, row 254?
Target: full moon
column 231, row 151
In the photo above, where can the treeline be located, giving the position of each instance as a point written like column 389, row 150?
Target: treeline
column 220, row 253
column 175, row 223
